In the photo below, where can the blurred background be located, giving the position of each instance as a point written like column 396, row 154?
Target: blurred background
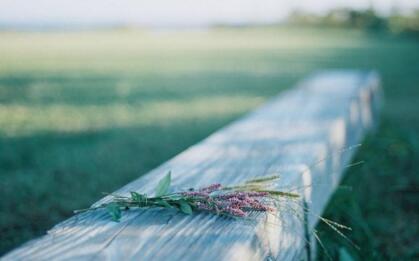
column 94, row 94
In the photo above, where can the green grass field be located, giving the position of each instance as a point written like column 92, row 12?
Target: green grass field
column 86, row 112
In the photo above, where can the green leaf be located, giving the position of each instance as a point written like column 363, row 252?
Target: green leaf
column 115, row 212
column 344, row 255
column 137, row 196
column 163, row 203
column 185, row 207
column 163, row 186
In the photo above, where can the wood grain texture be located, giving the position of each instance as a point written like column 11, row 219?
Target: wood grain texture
column 324, row 114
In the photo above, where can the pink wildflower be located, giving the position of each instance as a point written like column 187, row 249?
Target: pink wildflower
column 235, row 212
column 196, row 194
column 211, row 188
column 242, row 195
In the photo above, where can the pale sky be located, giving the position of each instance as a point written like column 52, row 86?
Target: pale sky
column 173, row 12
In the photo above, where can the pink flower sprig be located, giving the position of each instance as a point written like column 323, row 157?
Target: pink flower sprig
column 234, row 201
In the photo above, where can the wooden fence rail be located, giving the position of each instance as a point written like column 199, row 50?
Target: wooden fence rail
column 313, row 122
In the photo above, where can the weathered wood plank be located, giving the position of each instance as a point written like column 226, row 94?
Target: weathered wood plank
column 325, row 113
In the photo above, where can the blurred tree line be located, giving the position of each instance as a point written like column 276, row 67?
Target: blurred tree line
column 395, row 22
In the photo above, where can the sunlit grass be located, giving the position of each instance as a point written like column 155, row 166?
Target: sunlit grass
column 20, row 119
column 169, row 52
